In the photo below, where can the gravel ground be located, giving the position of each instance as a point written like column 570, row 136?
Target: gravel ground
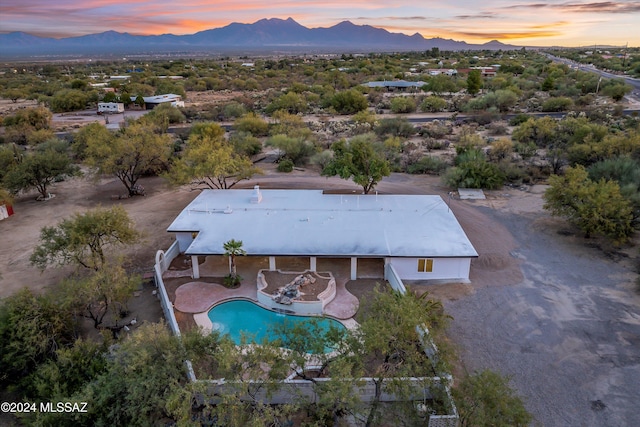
column 568, row 335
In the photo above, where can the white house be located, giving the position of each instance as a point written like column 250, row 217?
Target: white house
column 417, row 235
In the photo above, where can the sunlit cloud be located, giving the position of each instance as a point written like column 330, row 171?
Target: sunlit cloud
column 595, row 7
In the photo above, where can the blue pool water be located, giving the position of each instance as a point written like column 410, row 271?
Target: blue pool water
column 237, row 317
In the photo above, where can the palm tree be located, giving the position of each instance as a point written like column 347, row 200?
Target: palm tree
column 233, row 248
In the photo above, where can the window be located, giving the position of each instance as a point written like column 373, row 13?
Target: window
column 425, row 265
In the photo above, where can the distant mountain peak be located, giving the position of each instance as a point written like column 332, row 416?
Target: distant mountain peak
column 264, row 34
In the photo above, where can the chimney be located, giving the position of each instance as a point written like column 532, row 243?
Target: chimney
column 256, row 197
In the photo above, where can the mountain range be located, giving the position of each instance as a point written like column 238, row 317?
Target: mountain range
column 265, row 35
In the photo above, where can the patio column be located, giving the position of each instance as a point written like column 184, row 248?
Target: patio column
column 312, row 263
column 354, row 268
column 272, row 263
column 195, row 267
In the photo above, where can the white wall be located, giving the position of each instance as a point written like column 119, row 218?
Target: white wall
column 184, row 240
column 454, row 269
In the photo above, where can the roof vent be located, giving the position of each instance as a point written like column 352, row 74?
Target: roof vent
column 228, row 210
column 256, row 197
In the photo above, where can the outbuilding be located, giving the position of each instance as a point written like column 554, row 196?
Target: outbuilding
column 152, row 102
column 416, row 236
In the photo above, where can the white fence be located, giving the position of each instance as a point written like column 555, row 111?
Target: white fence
column 163, row 261
column 391, row 276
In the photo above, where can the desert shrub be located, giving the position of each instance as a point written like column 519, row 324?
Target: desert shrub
column 348, row 102
column 468, row 140
column 252, row 124
column 485, row 117
column 321, row 159
column 245, row 143
column 298, row 150
column 513, row 173
column 285, row 165
column 433, row 104
column 501, row 149
column 290, row 102
column 39, row 136
column 498, row 128
column 519, row 119
column 525, row 150
column 473, row 171
column 428, row 165
column 395, row 127
column 234, row 110
column 403, row 104
column 557, row 104
column 435, row 129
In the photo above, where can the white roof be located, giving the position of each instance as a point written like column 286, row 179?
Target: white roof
column 161, row 98
column 308, row 222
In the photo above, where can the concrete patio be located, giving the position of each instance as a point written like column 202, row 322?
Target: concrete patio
column 198, row 296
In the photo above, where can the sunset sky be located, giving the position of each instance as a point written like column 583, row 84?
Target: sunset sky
column 524, row 22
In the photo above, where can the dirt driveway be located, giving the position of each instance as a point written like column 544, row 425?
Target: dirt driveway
column 556, row 315
column 568, row 334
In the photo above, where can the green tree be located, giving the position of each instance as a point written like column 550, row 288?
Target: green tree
column 596, row 207
column 32, row 328
column 67, row 372
column 142, row 375
column 209, row 161
column 10, row 156
column 14, row 94
column 96, row 132
column 102, row 296
column 440, row 84
column 626, row 172
column 474, row 82
column 135, row 151
column 39, row 170
column 69, row 100
column 110, row 97
column 485, row 399
column 84, row 238
column 390, row 342
column 357, row 160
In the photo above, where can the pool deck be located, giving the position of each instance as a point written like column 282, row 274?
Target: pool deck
column 197, row 297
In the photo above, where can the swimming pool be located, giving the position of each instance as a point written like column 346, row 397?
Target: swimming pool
column 240, row 316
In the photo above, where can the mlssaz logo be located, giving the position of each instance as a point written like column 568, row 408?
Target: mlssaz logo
column 63, row 407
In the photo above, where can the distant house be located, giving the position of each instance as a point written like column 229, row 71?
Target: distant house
column 417, row 236
column 445, row 71
column 395, row 84
column 152, row 102
column 484, row 71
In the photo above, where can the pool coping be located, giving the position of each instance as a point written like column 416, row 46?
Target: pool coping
column 203, row 321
